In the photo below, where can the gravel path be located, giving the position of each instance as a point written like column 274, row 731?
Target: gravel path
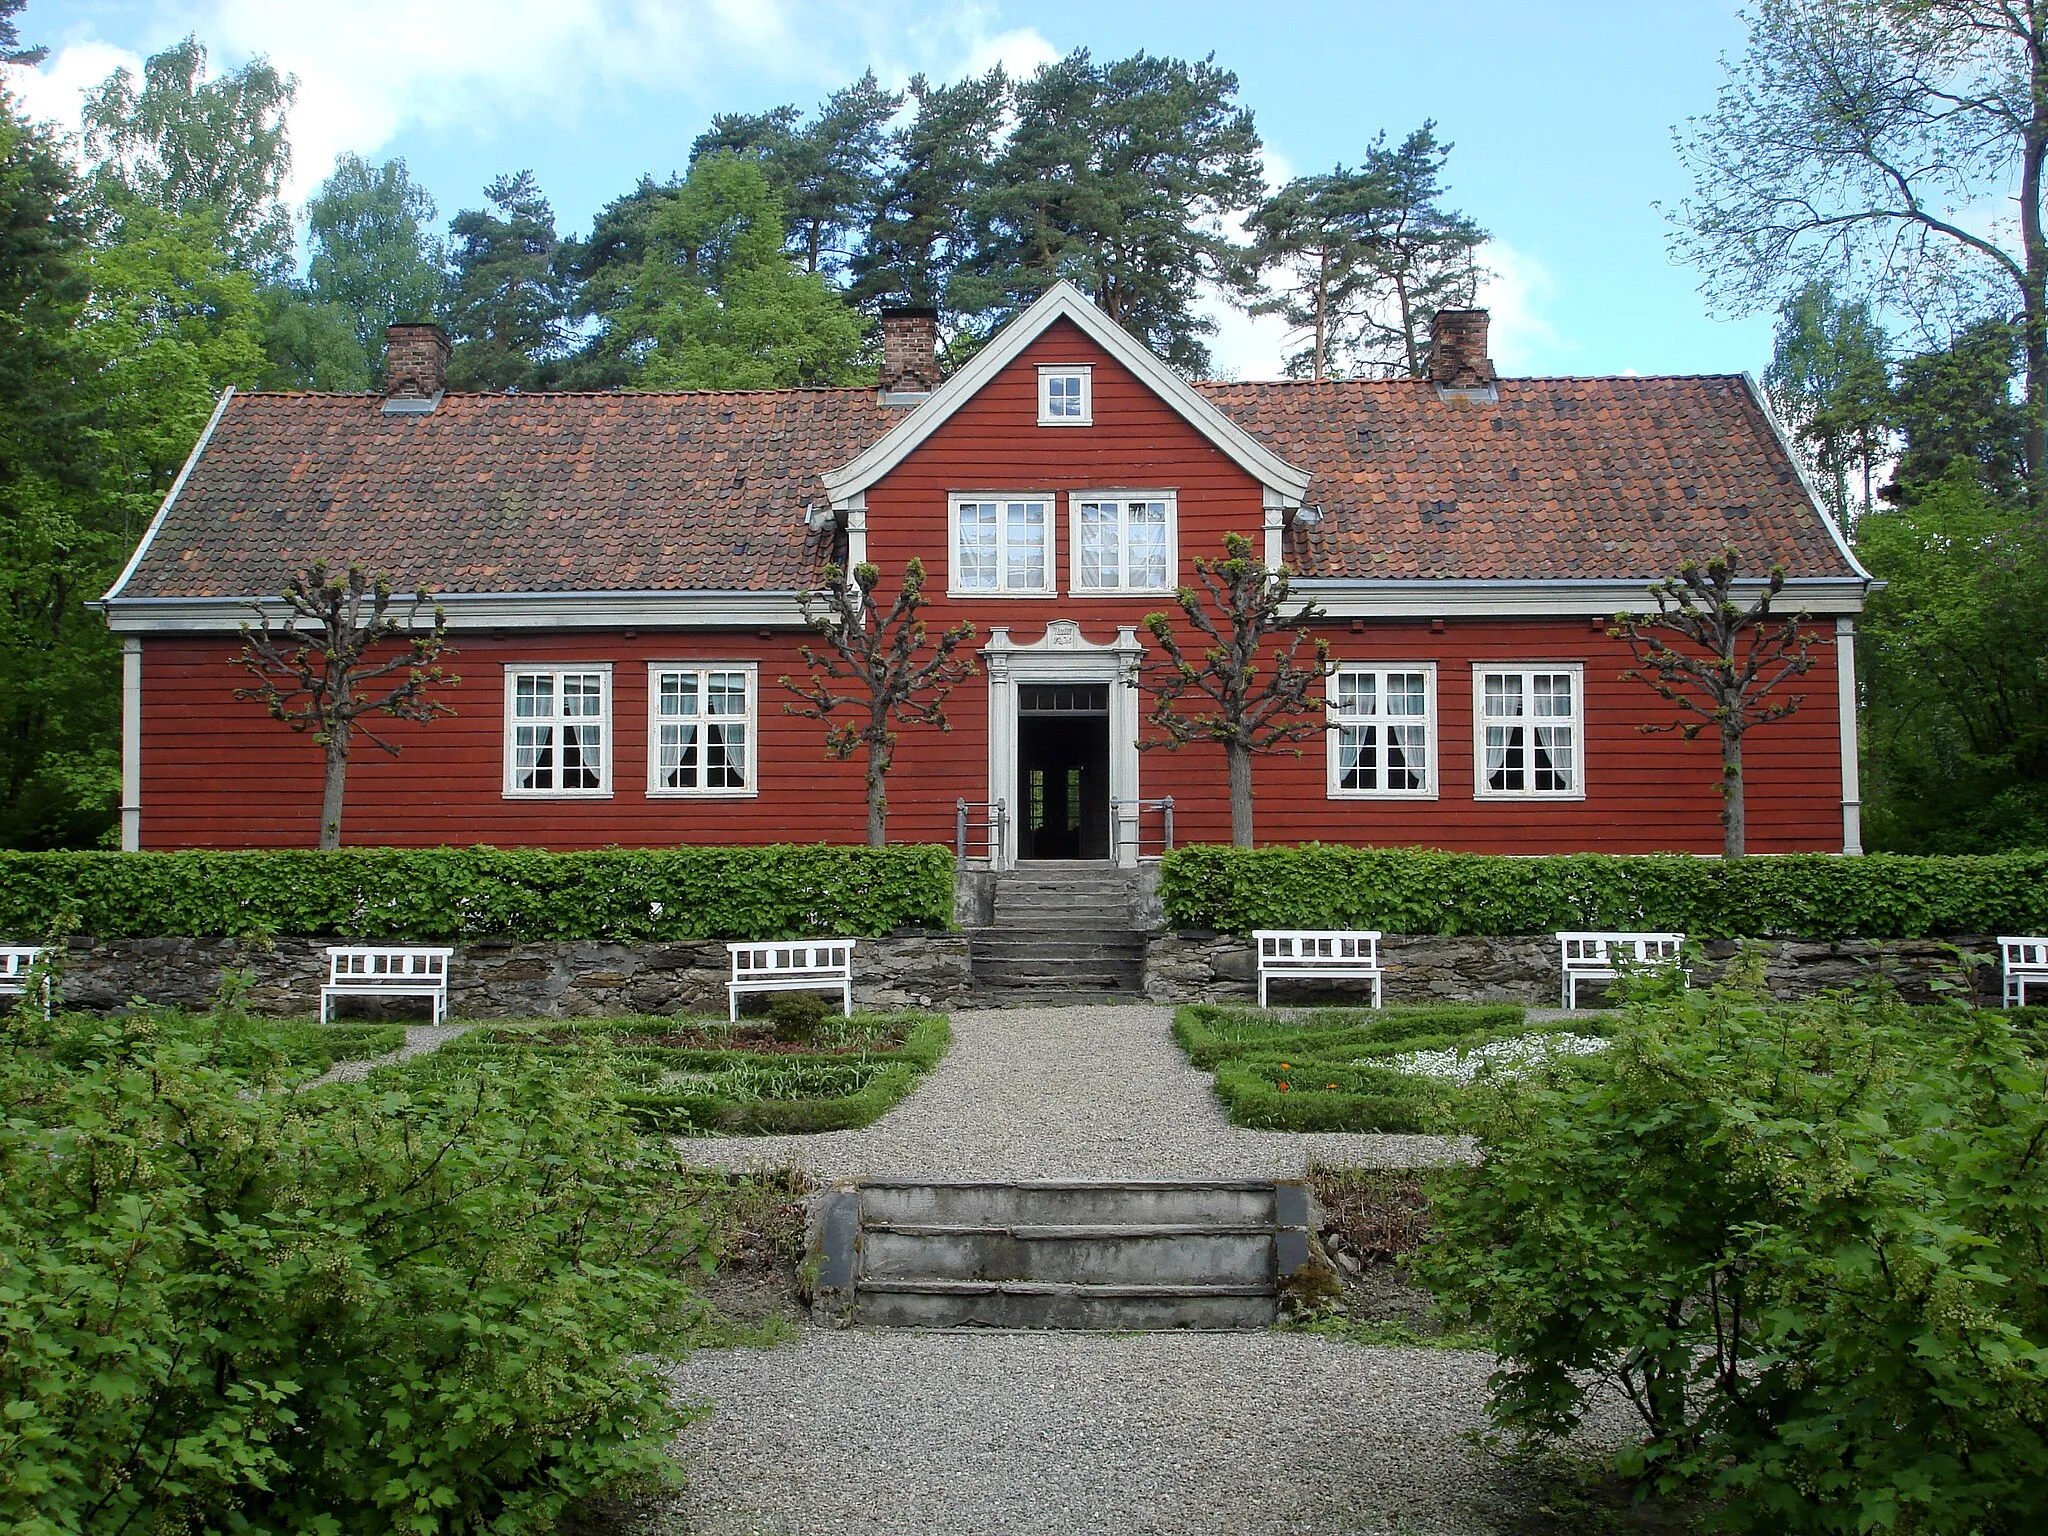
column 1084, row 1092
column 964, row 1434
column 420, row 1040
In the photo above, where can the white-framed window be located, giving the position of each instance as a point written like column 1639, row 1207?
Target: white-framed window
column 1123, row 541
column 1528, row 734
column 1382, row 742
column 700, row 728
column 1001, row 544
column 1066, row 395
column 558, row 729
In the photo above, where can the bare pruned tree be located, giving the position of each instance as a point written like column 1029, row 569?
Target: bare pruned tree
column 1733, row 660
column 882, row 667
column 1249, row 703
column 320, row 670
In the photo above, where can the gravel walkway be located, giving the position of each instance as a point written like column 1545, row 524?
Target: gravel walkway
column 963, row 1434
column 1084, row 1092
column 420, row 1040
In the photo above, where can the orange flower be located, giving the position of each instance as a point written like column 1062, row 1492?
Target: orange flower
column 1329, row 1085
column 1283, row 1087
column 1283, row 1066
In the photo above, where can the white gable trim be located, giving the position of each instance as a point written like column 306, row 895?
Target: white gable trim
column 1762, row 402
column 156, row 523
column 1064, row 301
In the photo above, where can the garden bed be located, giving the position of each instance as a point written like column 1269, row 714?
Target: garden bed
column 225, row 1040
column 708, row 1078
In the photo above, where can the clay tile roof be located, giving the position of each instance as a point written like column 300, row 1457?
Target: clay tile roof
column 1559, row 478
column 627, row 491
column 513, row 493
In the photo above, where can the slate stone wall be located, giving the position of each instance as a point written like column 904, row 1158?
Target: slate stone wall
column 495, row 980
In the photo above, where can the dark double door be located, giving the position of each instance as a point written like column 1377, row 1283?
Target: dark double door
column 1063, row 771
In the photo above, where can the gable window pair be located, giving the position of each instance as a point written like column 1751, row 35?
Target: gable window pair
column 1121, row 541
column 1526, row 732
column 700, row 730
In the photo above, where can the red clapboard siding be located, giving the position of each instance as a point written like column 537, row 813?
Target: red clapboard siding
column 218, row 772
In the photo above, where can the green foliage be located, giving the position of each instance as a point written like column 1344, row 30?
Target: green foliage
column 1829, row 383
column 371, row 894
column 508, row 299
column 798, row 1016
column 373, row 254
column 1805, row 1241
column 264, row 1050
column 349, row 1311
column 1406, row 890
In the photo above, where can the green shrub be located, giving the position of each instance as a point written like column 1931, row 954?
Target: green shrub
column 249, row 1047
column 377, row 894
column 343, row 1312
column 1806, row 1241
column 1408, row 890
column 798, row 1016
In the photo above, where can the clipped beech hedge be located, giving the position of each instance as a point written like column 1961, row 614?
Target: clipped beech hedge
column 1415, row 890
column 425, row 894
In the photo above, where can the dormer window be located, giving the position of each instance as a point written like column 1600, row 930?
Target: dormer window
column 1064, row 396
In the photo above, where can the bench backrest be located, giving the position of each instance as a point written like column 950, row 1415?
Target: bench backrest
column 2024, row 953
column 1312, row 946
column 1602, row 951
column 811, row 957
column 377, row 965
column 15, row 962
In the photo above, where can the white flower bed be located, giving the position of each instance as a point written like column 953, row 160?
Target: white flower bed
column 1511, row 1058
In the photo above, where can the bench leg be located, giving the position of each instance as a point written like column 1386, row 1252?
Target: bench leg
column 848, row 998
column 1262, row 989
column 1378, row 1000
column 325, row 999
column 1571, row 991
column 732, row 1005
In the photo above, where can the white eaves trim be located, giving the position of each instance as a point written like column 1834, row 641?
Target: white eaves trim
column 156, row 523
column 1763, row 404
column 1504, row 599
column 1064, row 301
column 485, row 611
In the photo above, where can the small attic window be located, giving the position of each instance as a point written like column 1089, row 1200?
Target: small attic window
column 1065, row 398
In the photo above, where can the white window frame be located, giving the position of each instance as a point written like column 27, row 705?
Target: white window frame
column 608, row 740
column 1123, row 498
column 1381, row 670
column 1002, row 588
column 751, row 767
column 1527, row 670
column 1082, row 371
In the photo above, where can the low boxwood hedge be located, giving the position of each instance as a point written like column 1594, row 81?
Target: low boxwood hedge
column 1419, row 890
column 427, row 894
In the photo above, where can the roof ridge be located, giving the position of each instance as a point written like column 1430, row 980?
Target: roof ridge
column 1516, row 378
column 551, row 394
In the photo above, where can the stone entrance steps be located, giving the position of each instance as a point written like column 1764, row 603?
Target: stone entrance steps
column 1062, row 928
column 1124, row 1255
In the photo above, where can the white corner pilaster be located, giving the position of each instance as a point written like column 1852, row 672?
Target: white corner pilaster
column 1276, row 528
column 131, row 744
column 1845, row 704
column 856, row 509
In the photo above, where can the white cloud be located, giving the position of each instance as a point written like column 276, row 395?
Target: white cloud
column 1518, row 288
column 54, row 92
column 1020, row 51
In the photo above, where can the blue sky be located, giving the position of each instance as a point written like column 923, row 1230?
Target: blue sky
column 1561, row 111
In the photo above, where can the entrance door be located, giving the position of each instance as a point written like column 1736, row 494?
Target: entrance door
column 1063, row 770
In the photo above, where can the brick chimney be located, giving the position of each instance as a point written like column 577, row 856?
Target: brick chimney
column 415, row 361
column 1457, row 350
column 910, row 350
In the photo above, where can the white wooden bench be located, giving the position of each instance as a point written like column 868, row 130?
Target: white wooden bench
column 2024, row 960
column 382, row 970
column 800, row 965
column 17, row 967
column 1310, row 954
column 1601, row 956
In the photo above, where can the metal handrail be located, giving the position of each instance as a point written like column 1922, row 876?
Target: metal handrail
column 995, row 822
column 1136, row 822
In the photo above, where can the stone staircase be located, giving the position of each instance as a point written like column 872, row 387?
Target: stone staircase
column 1056, row 1253
column 1062, row 931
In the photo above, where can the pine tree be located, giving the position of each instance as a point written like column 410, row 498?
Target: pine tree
column 509, row 298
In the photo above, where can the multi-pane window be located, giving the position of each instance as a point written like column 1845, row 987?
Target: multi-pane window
column 557, row 722
column 1002, row 544
column 1063, row 397
column 1123, row 544
column 1529, row 731
column 701, row 734
column 1382, row 731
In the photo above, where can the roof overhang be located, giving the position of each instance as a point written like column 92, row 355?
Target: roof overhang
column 1452, row 598
column 1063, row 301
column 469, row 611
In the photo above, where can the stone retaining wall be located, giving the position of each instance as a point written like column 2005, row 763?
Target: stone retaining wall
column 496, row 980
column 1197, row 966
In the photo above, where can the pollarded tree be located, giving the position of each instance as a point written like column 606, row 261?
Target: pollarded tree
column 321, row 670
column 1721, row 661
column 1249, row 703
column 882, row 666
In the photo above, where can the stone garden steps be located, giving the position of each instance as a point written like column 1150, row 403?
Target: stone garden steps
column 1060, row 927
column 1109, row 1254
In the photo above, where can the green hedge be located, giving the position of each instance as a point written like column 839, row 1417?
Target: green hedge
column 1405, row 890
column 377, row 894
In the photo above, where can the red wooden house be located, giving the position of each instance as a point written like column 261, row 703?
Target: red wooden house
column 621, row 572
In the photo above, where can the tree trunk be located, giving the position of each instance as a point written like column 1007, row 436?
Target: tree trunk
column 2035, row 287
column 1734, row 821
column 331, row 797
column 1240, row 759
column 1322, row 306
column 878, row 803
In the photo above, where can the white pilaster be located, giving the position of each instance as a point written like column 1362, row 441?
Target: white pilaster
column 131, row 744
column 1845, row 703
